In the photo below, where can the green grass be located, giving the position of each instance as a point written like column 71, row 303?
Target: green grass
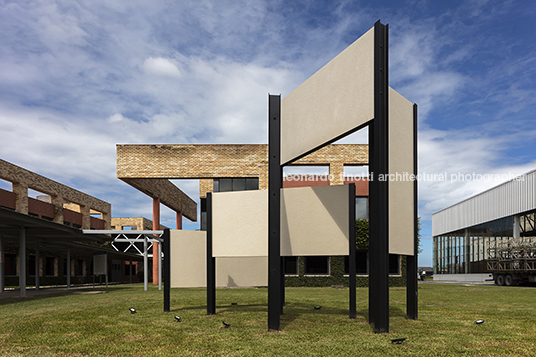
column 101, row 325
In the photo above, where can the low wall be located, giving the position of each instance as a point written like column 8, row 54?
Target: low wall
column 476, row 278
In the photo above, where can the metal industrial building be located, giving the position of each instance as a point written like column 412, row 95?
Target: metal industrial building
column 468, row 235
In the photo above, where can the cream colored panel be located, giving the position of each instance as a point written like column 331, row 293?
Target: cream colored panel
column 401, row 229
column 188, row 259
column 314, row 221
column 241, row 272
column 240, row 224
column 334, row 100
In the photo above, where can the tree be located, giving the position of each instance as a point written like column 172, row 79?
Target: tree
column 362, row 234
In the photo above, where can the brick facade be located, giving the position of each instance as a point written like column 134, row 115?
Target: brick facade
column 23, row 180
column 141, row 223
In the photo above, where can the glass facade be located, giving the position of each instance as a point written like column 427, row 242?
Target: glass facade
column 466, row 251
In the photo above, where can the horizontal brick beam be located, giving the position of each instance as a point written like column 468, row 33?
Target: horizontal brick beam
column 170, row 195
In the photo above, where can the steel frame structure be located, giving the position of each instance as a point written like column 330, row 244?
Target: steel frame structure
column 145, row 237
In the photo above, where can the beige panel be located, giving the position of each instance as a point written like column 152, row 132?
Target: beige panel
column 314, row 221
column 401, row 229
column 241, row 272
column 240, row 224
column 334, row 100
column 188, row 259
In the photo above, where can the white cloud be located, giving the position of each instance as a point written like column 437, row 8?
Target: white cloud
column 161, row 67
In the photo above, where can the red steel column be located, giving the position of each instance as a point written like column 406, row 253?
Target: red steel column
column 179, row 220
column 156, row 227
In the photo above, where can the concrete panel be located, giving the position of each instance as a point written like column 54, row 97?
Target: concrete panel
column 240, row 224
column 188, row 259
column 333, row 101
column 401, row 228
column 314, row 221
column 241, row 272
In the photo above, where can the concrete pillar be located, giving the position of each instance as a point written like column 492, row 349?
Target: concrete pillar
column 2, row 281
column 179, row 220
column 336, row 173
column 68, row 272
column 156, row 226
column 22, row 261
column 57, row 201
column 145, row 265
column 21, row 192
column 36, row 268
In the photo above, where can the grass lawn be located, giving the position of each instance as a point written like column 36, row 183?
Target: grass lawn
column 85, row 323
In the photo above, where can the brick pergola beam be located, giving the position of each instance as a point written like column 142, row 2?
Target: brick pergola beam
column 170, row 195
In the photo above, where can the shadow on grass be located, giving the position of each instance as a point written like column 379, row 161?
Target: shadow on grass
column 292, row 311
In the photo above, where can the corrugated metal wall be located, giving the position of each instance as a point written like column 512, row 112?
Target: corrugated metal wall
column 509, row 198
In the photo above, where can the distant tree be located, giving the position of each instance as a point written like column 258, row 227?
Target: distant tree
column 362, row 234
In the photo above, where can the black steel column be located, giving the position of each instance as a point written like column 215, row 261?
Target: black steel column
column 379, row 193
column 274, row 212
column 211, row 262
column 282, row 284
column 167, row 268
column 351, row 256
column 412, row 261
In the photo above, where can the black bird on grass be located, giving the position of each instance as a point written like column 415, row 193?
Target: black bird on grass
column 226, row 324
column 318, row 307
column 178, row 318
column 132, row 310
column 398, row 340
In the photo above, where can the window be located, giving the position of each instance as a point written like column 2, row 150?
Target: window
column 361, row 261
column 50, row 266
column 361, row 208
column 317, row 265
column 394, row 264
column 80, row 267
column 10, row 265
column 31, row 265
column 236, row 184
column 362, row 264
column 290, row 265
column 128, row 267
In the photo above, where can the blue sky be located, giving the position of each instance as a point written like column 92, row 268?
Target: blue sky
column 77, row 78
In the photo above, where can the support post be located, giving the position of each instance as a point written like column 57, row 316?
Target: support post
column 130, row 272
column 352, row 254
column 412, row 288
column 282, row 268
column 68, row 272
column 2, row 258
column 145, row 265
column 379, row 190
column 36, row 268
column 156, row 227
column 274, row 212
column 179, row 220
column 22, row 261
column 211, row 262
column 159, row 265
column 167, row 269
